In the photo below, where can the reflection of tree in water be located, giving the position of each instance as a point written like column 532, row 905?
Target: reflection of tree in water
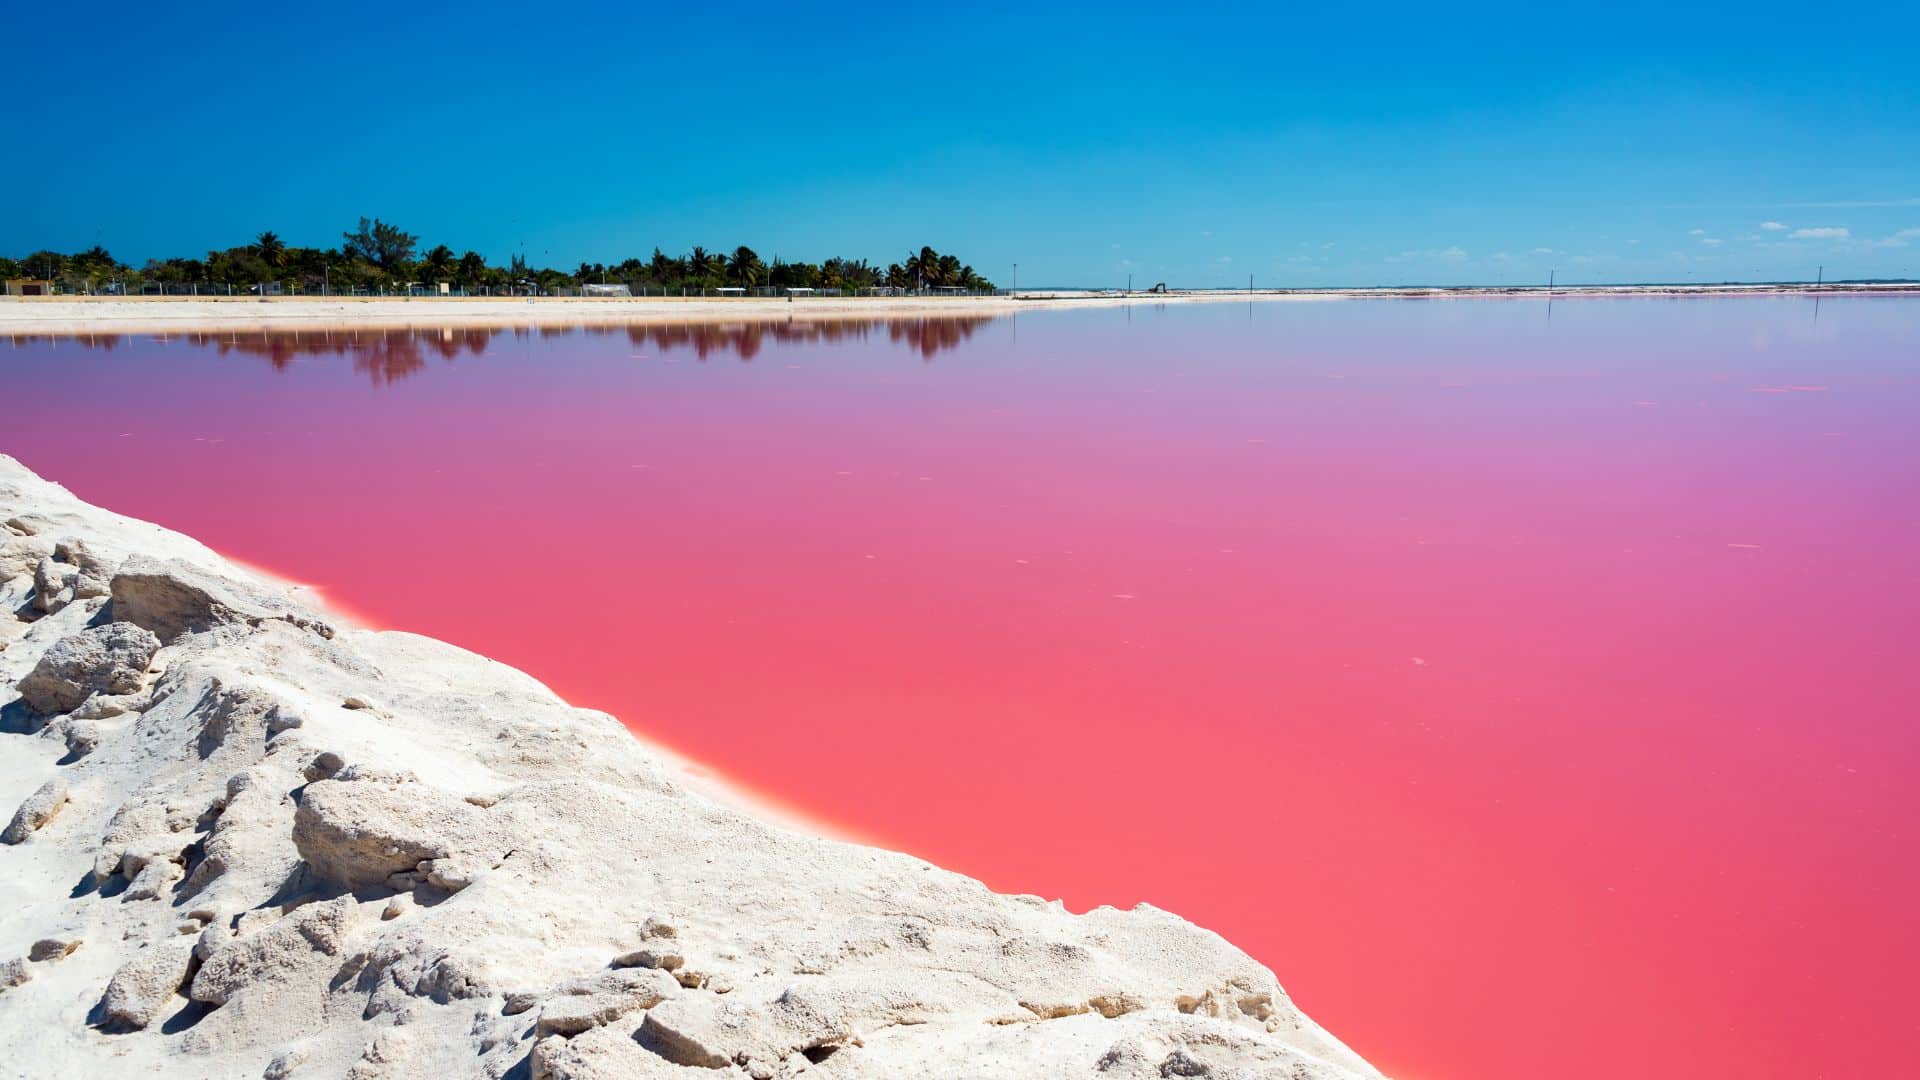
column 926, row 335
column 387, row 356
column 103, row 342
column 384, row 356
column 932, row 336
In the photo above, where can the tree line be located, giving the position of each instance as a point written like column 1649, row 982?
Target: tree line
column 378, row 256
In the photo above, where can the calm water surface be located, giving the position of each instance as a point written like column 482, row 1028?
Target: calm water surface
column 1536, row 697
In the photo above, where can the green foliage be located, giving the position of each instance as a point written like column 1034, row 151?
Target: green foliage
column 45, row 264
column 377, row 255
column 381, row 244
column 438, row 265
column 472, row 269
column 269, row 249
column 706, row 269
column 745, row 267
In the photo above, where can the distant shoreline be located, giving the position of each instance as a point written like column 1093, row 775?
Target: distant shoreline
column 65, row 315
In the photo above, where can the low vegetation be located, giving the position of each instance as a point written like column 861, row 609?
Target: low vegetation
column 376, row 256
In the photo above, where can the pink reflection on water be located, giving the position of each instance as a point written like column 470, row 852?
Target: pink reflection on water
column 1534, row 698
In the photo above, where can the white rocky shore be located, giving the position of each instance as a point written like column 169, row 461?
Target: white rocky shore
column 253, row 844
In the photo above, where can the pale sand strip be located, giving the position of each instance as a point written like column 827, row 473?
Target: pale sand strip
column 147, row 315
column 154, row 314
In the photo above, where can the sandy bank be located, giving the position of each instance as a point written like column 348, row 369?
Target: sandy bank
column 253, row 842
column 145, row 315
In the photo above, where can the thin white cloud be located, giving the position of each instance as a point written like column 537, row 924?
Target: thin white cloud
column 1833, row 204
column 1898, row 240
column 1773, row 226
column 1541, row 251
column 1823, row 233
column 1855, row 205
column 1696, row 232
column 1711, row 241
column 1446, row 254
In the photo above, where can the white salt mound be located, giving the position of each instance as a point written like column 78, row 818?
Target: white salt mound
column 226, row 861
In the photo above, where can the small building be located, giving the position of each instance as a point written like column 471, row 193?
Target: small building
column 21, row 286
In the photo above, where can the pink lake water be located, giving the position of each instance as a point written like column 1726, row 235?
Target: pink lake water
column 1537, row 697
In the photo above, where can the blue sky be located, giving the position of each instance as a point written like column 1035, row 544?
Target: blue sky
column 1363, row 144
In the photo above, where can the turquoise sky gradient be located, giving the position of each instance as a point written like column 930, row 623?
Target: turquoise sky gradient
column 1365, row 144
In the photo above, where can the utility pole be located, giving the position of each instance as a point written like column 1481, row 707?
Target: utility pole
column 1821, row 278
column 1550, row 274
column 1249, row 284
column 1016, row 277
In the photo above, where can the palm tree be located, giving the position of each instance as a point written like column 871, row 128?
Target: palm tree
column 857, row 273
column 439, row 263
column 703, row 264
column 270, row 249
column 746, row 266
column 947, row 269
column 666, row 269
column 472, row 268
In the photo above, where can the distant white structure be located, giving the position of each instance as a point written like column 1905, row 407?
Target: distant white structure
column 605, row 290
